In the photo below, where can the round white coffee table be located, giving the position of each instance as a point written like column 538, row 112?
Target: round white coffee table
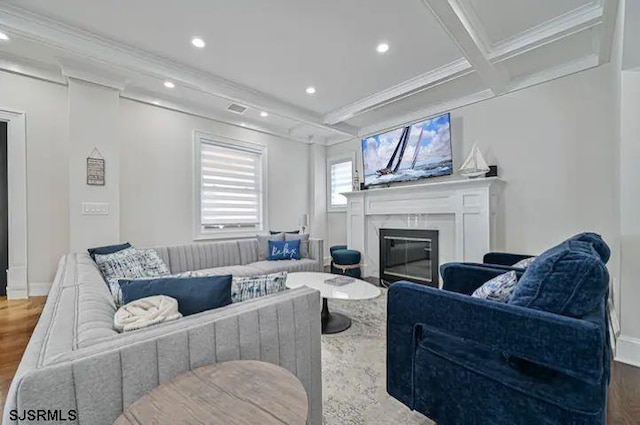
column 355, row 290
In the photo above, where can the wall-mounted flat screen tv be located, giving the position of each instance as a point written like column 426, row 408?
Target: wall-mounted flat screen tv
column 414, row 152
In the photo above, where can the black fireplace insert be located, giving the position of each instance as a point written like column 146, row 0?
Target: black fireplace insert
column 409, row 254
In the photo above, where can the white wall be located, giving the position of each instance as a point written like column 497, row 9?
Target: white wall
column 45, row 106
column 156, row 163
column 93, row 117
column 557, row 150
column 629, row 346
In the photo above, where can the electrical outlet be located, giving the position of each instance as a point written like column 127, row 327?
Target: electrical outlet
column 95, row 208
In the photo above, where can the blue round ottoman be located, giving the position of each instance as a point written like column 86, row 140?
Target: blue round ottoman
column 345, row 261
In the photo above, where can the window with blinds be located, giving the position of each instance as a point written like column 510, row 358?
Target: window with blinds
column 230, row 187
column 340, row 180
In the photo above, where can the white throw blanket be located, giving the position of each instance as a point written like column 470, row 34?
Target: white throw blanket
column 146, row 312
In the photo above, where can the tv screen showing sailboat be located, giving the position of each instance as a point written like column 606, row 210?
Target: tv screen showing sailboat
column 417, row 151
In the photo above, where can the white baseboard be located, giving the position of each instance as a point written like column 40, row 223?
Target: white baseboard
column 17, row 294
column 628, row 350
column 37, row 289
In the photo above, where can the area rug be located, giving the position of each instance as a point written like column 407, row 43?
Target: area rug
column 354, row 370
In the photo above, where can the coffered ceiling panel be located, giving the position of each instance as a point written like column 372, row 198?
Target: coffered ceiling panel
column 551, row 56
column 503, row 19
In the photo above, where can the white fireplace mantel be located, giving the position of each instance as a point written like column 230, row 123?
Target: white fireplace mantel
column 464, row 211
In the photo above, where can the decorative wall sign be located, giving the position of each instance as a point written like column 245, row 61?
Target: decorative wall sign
column 95, row 168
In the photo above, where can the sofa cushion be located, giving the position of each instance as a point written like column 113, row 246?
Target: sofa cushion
column 194, row 294
column 109, row 249
column 200, row 256
column 304, row 243
column 569, row 279
column 263, row 244
column 292, row 266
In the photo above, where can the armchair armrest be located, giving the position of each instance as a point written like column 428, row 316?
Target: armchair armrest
column 465, row 278
column 503, row 258
column 573, row 347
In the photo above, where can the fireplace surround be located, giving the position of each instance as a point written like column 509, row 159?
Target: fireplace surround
column 465, row 213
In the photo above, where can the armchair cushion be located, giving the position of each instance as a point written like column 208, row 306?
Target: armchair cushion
column 569, row 279
column 599, row 245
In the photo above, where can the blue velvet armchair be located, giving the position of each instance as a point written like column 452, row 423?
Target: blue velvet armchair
column 463, row 360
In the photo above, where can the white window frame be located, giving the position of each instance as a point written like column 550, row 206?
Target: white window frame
column 335, row 160
column 199, row 233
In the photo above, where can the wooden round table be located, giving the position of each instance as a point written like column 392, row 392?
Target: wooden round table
column 236, row 392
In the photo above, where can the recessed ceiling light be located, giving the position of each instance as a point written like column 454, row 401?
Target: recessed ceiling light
column 4, row 36
column 155, row 102
column 169, row 84
column 264, row 114
column 382, row 48
column 310, row 90
column 244, row 124
column 198, row 42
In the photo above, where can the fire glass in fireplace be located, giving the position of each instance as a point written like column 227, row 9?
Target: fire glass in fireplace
column 409, row 254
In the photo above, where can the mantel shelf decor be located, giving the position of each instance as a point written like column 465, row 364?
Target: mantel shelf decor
column 95, row 168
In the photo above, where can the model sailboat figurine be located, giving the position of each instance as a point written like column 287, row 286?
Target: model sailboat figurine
column 475, row 164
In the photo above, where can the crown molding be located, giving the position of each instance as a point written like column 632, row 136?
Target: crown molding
column 92, row 74
column 30, row 68
column 99, row 49
column 552, row 30
column 208, row 115
column 409, row 87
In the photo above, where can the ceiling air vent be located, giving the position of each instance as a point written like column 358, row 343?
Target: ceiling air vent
column 236, row 109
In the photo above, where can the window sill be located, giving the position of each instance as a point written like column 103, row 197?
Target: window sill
column 226, row 236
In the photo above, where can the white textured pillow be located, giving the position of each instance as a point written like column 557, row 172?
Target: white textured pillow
column 523, row 264
column 129, row 263
column 247, row 288
column 498, row 289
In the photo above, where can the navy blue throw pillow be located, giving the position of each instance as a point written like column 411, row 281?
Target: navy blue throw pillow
column 284, row 250
column 194, row 294
column 569, row 279
column 105, row 250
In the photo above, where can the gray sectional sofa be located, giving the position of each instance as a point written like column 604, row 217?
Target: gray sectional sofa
column 75, row 360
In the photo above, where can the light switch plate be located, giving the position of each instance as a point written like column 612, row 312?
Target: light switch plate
column 95, row 208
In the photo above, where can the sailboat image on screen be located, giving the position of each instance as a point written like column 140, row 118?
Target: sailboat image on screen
column 475, row 164
column 412, row 152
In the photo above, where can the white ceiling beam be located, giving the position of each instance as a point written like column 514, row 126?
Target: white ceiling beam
column 400, row 91
column 425, row 113
column 607, row 30
column 454, row 21
column 578, row 20
column 91, row 46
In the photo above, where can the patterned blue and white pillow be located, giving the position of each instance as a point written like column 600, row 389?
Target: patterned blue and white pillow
column 129, row 263
column 525, row 263
column 247, row 288
column 152, row 263
column 498, row 289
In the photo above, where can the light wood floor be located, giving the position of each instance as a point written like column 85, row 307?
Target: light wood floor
column 18, row 318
